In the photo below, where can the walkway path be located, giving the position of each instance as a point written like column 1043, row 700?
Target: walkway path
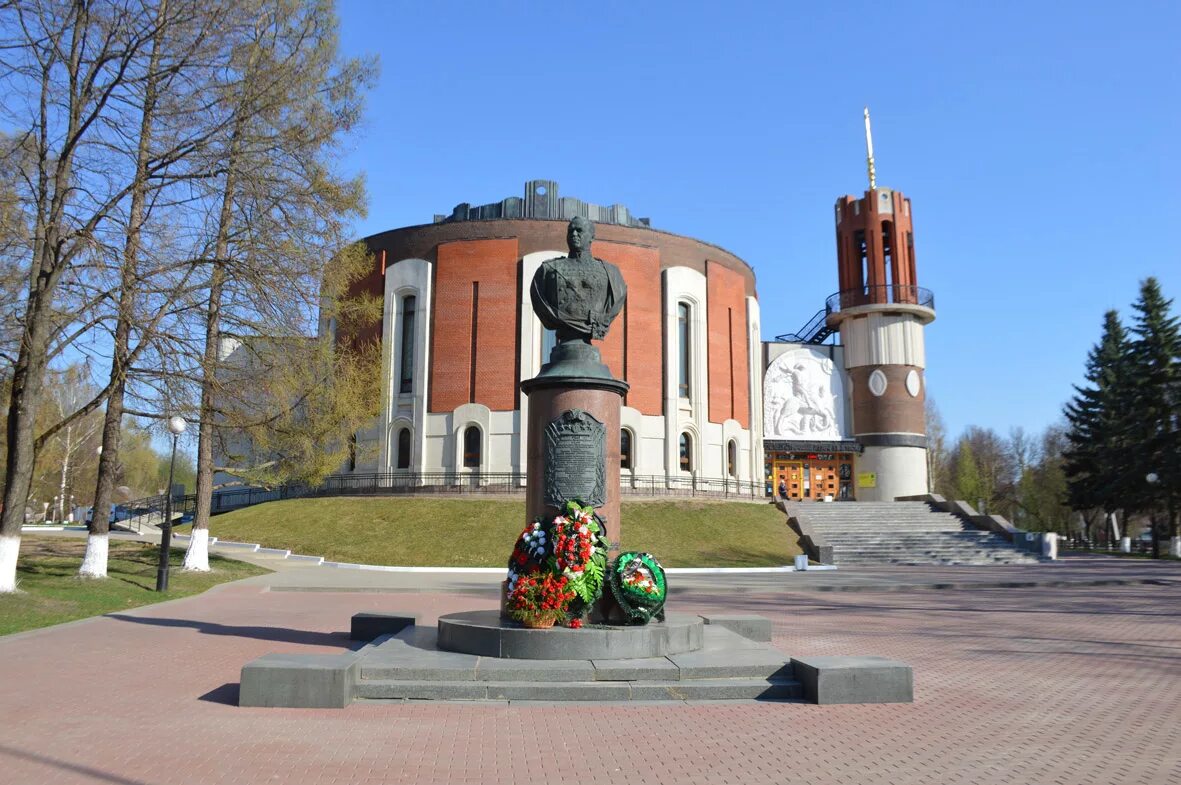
column 1077, row 684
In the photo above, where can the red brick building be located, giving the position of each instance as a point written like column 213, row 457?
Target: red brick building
column 459, row 334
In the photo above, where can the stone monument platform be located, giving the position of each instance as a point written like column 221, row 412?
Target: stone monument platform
column 486, row 634
column 727, row 665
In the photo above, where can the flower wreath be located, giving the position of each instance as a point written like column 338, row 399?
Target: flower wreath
column 572, row 546
column 637, row 583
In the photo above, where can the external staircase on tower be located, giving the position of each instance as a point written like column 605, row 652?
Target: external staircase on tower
column 903, row 532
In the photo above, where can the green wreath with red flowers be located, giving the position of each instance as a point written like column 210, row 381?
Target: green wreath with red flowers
column 638, row 586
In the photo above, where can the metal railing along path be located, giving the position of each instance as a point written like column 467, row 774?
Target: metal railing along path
column 446, row 483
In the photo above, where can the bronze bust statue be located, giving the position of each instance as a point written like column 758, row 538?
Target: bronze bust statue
column 578, row 296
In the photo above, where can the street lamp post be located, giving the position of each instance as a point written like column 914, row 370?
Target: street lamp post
column 1152, row 479
column 176, row 425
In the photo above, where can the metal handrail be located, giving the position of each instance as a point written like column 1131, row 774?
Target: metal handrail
column 808, row 333
column 887, row 294
column 444, row 483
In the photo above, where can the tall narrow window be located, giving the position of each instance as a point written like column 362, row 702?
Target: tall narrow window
column 686, row 452
column 862, row 252
column 471, row 384
column 406, row 383
column 683, row 350
column 404, row 448
column 888, row 258
column 549, row 339
column 471, row 447
column 352, row 452
column 732, row 459
column 625, row 449
column 910, row 258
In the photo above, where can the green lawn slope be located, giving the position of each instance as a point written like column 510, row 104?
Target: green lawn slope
column 478, row 532
column 50, row 591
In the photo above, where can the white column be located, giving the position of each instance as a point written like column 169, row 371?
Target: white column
column 404, row 278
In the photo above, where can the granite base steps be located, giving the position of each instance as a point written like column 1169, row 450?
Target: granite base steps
column 409, row 666
column 732, row 660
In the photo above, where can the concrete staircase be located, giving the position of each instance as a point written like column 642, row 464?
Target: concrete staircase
column 903, row 533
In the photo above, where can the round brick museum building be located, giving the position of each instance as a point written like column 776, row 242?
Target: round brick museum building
column 458, row 335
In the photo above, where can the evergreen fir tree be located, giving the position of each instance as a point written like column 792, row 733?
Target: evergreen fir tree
column 1155, row 430
column 1094, row 460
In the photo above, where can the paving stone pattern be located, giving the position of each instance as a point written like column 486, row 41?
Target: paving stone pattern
column 1075, row 686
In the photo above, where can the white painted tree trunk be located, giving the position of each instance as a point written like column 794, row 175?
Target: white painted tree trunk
column 62, row 501
column 197, row 556
column 9, row 548
column 94, row 563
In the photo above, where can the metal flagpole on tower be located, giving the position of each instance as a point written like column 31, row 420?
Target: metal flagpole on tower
column 873, row 180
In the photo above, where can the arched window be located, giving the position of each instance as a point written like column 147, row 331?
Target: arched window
column 686, row 452
column 404, row 448
column 625, row 449
column 732, row 459
column 471, row 447
column 406, row 374
column 684, row 371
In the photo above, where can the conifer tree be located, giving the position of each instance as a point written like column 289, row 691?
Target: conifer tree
column 1095, row 458
column 1155, row 398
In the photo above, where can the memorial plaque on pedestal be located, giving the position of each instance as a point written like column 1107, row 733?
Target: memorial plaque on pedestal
column 574, row 459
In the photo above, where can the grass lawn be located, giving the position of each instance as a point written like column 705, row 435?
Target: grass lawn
column 50, row 591
column 480, row 532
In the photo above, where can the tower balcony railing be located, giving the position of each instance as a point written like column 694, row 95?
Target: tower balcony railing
column 888, row 294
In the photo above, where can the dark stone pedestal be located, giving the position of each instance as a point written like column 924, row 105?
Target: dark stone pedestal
column 551, row 397
column 485, row 634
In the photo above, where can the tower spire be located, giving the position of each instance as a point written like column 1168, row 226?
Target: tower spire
column 873, row 180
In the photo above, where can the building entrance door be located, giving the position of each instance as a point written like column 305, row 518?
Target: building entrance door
column 810, row 476
column 790, row 472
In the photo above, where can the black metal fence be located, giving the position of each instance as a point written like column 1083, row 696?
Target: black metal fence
column 1138, row 545
column 151, row 509
column 450, row 482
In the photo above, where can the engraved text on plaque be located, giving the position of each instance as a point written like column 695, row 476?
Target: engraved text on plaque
column 574, row 458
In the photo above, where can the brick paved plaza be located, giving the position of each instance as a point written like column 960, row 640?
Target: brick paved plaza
column 1070, row 685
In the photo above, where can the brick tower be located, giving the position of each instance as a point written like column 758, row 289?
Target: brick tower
column 880, row 312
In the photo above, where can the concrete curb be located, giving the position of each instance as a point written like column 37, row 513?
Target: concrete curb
column 970, row 586
column 500, row 570
column 250, row 546
column 316, row 560
column 338, row 565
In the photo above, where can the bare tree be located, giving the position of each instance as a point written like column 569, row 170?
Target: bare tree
column 65, row 63
column 177, row 63
column 70, row 390
column 938, row 466
column 283, row 212
column 140, row 247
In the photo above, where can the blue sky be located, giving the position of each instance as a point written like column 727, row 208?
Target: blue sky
column 1037, row 141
